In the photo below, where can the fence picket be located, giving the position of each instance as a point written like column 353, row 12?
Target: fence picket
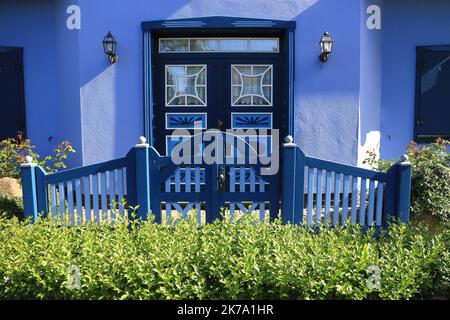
column 232, row 179
column 327, row 196
column 95, row 197
column 199, row 213
column 70, row 202
column 62, row 201
column 354, row 198
column 87, row 198
column 319, row 196
column 252, row 180
column 168, row 184
column 262, row 211
column 177, row 180
column 120, row 191
column 371, row 203
column 197, row 179
column 242, row 179
column 362, row 203
column 310, row 196
column 187, row 179
column 104, row 196
column 112, row 194
column 53, row 200
column 345, row 200
column 379, row 211
column 232, row 210
column 78, row 195
column 169, row 212
column 337, row 178
column 262, row 184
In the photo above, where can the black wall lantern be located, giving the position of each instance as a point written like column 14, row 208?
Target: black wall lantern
column 109, row 46
column 326, row 45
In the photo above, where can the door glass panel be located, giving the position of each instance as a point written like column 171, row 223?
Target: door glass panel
column 174, row 45
column 264, row 45
column 199, row 45
column 258, row 101
column 170, row 45
column 251, row 85
column 233, row 45
column 185, row 85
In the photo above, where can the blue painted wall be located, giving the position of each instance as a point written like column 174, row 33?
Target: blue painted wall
column 326, row 124
column 68, row 80
column 50, row 70
column 406, row 24
column 371, row 52
column 363, row 96
column 29, row 24
column 327, row 94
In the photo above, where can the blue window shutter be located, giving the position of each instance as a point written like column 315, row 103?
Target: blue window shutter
column 432, row 112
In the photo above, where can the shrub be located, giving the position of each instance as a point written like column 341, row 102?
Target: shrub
column 430, row 185
column 222, row 260
column 11, row 206
column 14, row 150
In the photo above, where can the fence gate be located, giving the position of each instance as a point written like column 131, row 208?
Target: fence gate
column 229, row 182
column 232, row 176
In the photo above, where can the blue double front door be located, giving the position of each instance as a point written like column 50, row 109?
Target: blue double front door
column 220, row 83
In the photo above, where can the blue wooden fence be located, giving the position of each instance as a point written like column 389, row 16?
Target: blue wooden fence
column 363, row 196
column 313, row 191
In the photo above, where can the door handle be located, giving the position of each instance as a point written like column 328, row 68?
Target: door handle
column 219, row 125
column 221, row 179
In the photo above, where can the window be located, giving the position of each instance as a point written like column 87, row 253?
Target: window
column 185, row 85
column 193, row 45
column 251, row 85
column 432, row 116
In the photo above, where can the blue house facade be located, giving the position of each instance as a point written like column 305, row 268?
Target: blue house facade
column 226, row 64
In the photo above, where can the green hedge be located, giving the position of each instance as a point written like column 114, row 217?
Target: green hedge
column 11, row 206
column 223, row 260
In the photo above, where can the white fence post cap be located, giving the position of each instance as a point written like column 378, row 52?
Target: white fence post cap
column 404, row 160
column 142, row 143
column 289, row 142
column 28, row 162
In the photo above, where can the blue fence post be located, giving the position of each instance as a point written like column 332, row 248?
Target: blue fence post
column 299, row 185
column 403, row 189
column 390, row 194
column 142, row 178
column 212, row 204
column 398, row 190
column 29, row 190
column 42, row 191
column 292, row 182
column 155, row 184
